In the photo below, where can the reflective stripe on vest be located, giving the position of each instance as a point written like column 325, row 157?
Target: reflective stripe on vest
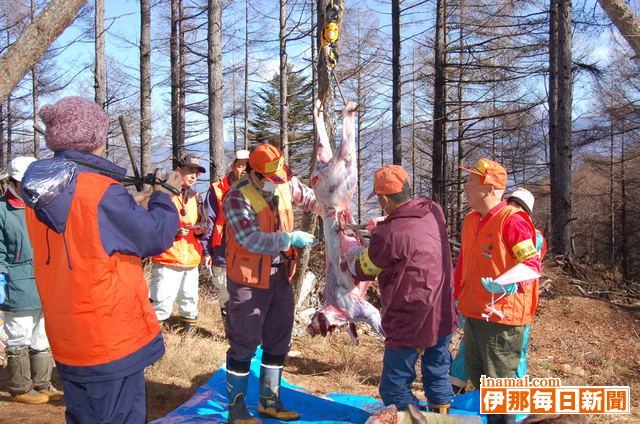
column 186, row 251
column 248, row 268
column 486, row 255
column 98, row 310
column 219, row 188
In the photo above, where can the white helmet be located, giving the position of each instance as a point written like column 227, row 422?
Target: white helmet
column 524, row 198
column 18, row 167
column 242, row 154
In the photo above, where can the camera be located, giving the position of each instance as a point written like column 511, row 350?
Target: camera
column 159, row 176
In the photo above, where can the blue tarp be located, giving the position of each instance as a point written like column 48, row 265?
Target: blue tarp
column 209, row 403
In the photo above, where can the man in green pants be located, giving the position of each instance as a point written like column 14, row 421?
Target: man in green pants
column 495, row 238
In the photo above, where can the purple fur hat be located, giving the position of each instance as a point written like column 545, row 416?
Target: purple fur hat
column 75, row 123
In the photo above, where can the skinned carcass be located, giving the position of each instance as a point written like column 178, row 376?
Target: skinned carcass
column 334, row 180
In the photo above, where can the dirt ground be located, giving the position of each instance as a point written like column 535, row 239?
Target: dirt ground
column 578, row 336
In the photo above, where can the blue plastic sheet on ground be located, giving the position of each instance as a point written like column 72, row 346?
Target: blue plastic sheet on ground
column 209, row 403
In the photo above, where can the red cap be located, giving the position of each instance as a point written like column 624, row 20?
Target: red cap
column 268, row 160
column 490, row 173
column 389, row 179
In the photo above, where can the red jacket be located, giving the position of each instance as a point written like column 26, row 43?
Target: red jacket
column 416, row 282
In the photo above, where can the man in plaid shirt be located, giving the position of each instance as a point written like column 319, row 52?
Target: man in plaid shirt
column 260, row 265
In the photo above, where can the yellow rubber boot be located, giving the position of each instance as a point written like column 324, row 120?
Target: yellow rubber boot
column 51, row 392
column 439, row 409
column 32, row 397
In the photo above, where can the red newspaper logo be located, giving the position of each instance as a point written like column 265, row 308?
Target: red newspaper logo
column 548, row 396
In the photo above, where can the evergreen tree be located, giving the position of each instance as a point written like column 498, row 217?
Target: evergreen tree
column 265, row 127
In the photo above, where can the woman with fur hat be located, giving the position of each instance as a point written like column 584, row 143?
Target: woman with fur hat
column 89, row 235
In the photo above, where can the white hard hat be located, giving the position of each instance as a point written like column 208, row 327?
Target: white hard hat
column 524, row 198
column 242, row 154
column 18, row 167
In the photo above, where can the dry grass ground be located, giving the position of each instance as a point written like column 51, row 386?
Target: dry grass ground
column 582, row 340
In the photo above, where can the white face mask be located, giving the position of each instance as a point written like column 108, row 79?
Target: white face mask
column 269, row 187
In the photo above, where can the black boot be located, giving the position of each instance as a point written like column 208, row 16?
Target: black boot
column 270, row 376
column 237, row 389
column 188, row 324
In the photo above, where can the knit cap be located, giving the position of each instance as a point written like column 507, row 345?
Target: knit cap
column 75, row 123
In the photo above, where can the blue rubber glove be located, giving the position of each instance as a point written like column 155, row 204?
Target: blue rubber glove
column 492, row 287
column 302, row 238
column 539, row 242
column 3, row 282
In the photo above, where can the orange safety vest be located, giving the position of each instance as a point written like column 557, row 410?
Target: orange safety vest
column 486, row 255
column 253, row 269
column 96, row 306
column 219, row 188
column 186, row 251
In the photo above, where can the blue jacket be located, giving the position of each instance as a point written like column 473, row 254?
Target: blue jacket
column 124, row 227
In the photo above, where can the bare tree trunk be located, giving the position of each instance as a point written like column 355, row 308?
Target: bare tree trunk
column 360, row 113
column 34, row 99
column 216, row 95
column 325, row 92
column 439, row 107
column 3, row 163
column 99, row 73
column 623, row 18
column 246, row 73
column 9, row 128
column 34, row 40
column 176, row 78
column 284, row 103
column 612, row 209
column 413, row 124
column 309, row 220
column 145, row 87
column 396, row 115
column 182, row 80
column 175, row 70
column 457, row 222
column 623, row 212
column 560, row 125
column 34, row 95
column 235, row 115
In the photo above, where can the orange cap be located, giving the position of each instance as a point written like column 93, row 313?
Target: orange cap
column 490, row 173
column 268, row 160
column 389, row 179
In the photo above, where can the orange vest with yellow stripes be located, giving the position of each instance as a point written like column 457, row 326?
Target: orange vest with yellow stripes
column 96, row 306
column 253, row 269
column 486, row 255
column 186, row 251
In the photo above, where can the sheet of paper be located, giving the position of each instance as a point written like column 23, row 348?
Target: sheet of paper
column 518, row 273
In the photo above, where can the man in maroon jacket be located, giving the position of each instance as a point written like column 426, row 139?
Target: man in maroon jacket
column 409, row 252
